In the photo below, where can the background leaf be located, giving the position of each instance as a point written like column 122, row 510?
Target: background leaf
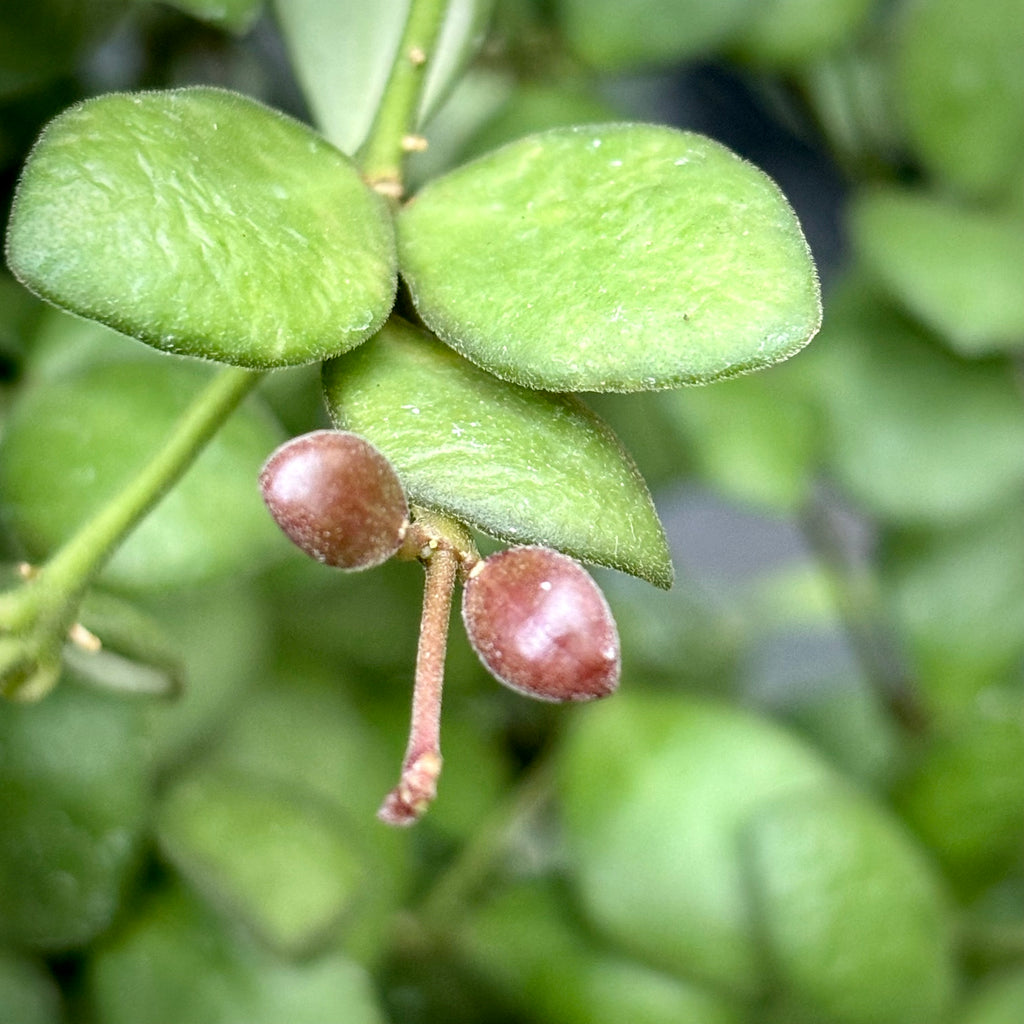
column 234, row 15
column 957, row 595
column 755, row 438
column 281, row 860
column 959, row 85
column 784, row 33
column 853, row 916
column 41, row 41
column 685, row 775
column 343, row 50
column 959, row 269
column 539, row 956
column 137, row 974
column 758, row 870
column 27, row 991
column 616, row 34
column 202, row 222
column 528, row 468
column 619, row 257
column 94, row 429
column 913, row 433
column 75, row 799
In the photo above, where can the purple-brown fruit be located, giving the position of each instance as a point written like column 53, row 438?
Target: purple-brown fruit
column 541, row 625
column 337, row 498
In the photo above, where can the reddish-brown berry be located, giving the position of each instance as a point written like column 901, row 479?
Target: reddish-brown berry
column 337, row 498
column 541, row 625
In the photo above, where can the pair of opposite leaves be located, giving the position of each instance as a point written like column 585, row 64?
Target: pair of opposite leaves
column 611, row 258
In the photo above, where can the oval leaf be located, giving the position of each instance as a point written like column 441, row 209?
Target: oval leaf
column 852, row 914
column 957, row 268
column 228, row 833
column 959, row 89
column 172, row 934
column 914, row 434
column 521, row 466
column 202, row 222
column 612, row 35
column 723, row 891
column 74, row 821
column 687, row 775
column 610, row 258
column 788, row 33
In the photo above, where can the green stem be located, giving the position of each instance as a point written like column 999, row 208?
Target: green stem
column 38, row 615
column 854, row 592
column 383, row 155
column 85, row 554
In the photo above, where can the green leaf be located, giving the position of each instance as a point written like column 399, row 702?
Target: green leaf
column 525, row 467
column 957, row 598
column 235, row 15
column 676, row 815
column 343, row 51
column 616, row 34
column 274, row 856
column 959, row 85
column 64, row 344
column 852, row 914
column 301, row 734
column 785, row 33
column 71, row 445
column 999, row 999
column 527, row 942
column 535, row 107
column 136, row 656
column 655, row 790
column 137, row 974
column 913, row 433
column 619, row 257
column 204, row 223
column 223, row 633
column 75, row 804
column 965, row 795
column 756, row 438
column 28, row 991
column 957, row 269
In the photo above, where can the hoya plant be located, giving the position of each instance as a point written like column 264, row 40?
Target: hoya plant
column 351, row 352
column 605, row 257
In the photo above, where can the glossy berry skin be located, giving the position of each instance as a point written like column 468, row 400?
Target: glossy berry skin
column 337, row 498
column 541, row 625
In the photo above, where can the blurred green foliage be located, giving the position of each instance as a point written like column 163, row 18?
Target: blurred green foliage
column 833, row 838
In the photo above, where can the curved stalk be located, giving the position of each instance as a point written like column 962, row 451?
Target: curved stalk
column 393, row 135
column 37, row 617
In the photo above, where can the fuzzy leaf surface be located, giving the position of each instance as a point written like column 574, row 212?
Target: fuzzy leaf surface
column 619, row 257
column 203, row 223
column 525, row 467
